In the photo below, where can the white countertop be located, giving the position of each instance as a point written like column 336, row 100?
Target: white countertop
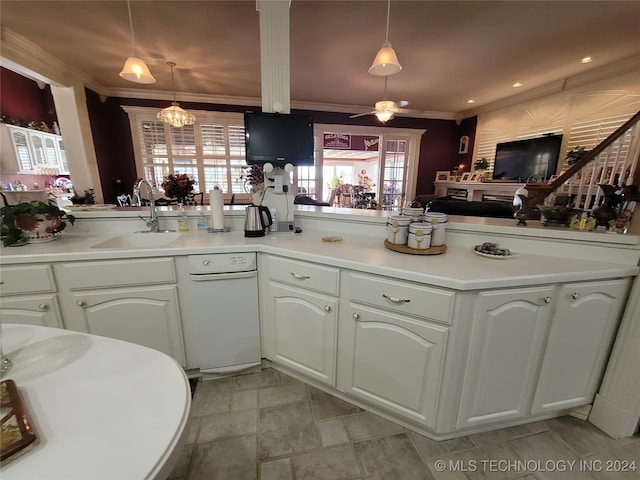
column 100, row 408
column 459, row 268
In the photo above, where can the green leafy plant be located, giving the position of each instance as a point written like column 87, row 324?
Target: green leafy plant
column 481, row 164
column 23, row 217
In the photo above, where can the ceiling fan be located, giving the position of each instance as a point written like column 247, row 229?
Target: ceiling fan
column 385, row 109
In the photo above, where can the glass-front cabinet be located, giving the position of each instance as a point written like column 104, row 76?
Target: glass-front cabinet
column 31, row 151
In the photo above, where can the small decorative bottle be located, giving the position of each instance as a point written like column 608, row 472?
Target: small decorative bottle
column 183, row 222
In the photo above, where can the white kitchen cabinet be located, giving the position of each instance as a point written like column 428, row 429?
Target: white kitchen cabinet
column 42, row 310
column 392, row 345
column 146, row 315
column 25, row 150
column 28, row 295
column 392, row 361
column 305, row 325
column 299, row 316
column 506, row 347
column 135, row 300
column 582, row 330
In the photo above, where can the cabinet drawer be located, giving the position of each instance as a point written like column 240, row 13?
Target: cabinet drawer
column 116, row 273
column 26, row 279
column 402, row 297
column 303, row 274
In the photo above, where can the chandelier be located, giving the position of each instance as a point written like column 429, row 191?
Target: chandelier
column 174, row 115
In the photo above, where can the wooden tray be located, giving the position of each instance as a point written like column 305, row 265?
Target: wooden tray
column 415, row 251
column 16, row 434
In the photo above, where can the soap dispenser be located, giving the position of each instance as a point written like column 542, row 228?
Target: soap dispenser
column 183, row 222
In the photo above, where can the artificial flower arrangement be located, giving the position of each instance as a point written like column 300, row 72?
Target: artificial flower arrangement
column 178, row 185
column 32, row 221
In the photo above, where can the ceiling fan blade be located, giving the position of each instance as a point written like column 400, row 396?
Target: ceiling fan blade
column 361, row 114
column 402, row 110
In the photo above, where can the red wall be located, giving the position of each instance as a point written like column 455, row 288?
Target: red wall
column 21, row 98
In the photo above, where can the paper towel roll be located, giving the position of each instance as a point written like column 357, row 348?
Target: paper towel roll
column 217, row 206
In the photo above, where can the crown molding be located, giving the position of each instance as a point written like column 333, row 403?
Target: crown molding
column 568, row 84
column 28, row 59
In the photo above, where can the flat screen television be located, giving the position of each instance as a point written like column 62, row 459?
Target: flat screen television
column 519, row 160
column 278, row 138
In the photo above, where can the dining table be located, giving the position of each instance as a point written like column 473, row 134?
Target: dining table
column 99, row 408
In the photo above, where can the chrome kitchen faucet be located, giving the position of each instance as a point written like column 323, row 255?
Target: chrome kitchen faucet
column 152, row 222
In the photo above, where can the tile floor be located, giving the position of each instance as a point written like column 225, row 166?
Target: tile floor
column 269, row 426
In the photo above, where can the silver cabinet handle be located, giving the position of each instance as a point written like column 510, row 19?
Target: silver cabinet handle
column 547, row 299
column 327, row 308
column 575, row 295
column 299, row 276
column 80, row 303
column 395, row 299
column 356, row 316
column 43, row 306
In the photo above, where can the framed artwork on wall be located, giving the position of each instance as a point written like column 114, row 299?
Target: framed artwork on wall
column 442, row 176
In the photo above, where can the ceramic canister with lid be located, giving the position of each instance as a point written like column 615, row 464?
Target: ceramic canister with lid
column 414, row 212
column 419, row 235
column 439, row 223
column 398, row 229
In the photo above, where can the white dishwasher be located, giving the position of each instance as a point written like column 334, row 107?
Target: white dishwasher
column 219, row 305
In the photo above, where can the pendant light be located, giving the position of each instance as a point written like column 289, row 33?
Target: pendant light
column 386, row 61
column 174, row 115
column 135, row 70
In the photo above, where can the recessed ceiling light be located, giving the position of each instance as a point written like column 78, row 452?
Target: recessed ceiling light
column 586, row 60
column 471, row 100
column 516, row 85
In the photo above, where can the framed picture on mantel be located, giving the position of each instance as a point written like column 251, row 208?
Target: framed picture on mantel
column 442, row 176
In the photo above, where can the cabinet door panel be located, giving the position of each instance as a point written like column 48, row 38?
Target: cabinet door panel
column 40, row 310
column 147, row 316
column 392, row 361
column 507, row 343
column 305, row 332
column 579, row 341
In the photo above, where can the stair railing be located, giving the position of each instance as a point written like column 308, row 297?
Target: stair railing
column 608, row 162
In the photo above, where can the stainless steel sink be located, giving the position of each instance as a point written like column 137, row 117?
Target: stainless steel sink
column 139, row 240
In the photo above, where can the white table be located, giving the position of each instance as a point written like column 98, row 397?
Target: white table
column 101, row 408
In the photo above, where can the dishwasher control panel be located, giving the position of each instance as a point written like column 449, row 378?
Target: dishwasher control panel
column 222, row 263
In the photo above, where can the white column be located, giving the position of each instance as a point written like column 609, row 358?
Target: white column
column 616, row 408
column 274, row 55
column 71, row 109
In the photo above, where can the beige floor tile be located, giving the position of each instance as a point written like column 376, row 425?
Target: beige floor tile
column 582, row 436
column 276, row 469
column 287, row 429
column 225, row 459
column 485, row 462
column 552, row 454
column 254, row 380
column 181, row 470
column 325, row 406
column 430, row 448
column 332, row 432
column 332, row 463
column 367, row 425
column 630, row 451
column 280, row 394
column 244, row 400
column 193, row 429
column 228, row 424
column 391, row 457
column 608, row 466
column 213, row 396
column 506, row 434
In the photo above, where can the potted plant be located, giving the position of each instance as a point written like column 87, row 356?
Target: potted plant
column 481, row 164
column 32, row 221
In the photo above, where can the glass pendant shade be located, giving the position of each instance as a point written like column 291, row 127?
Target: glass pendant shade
column 386, row 61
column 176, row 116
column 384, row 110
column 135, row 70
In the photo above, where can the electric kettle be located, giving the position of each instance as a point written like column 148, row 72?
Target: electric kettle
column 254, row 223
